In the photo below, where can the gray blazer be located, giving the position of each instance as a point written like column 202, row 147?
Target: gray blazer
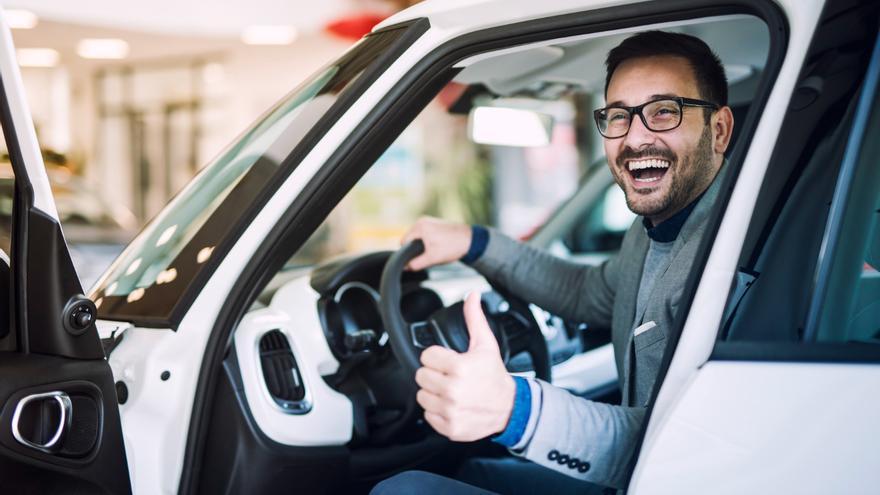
column 577, row 437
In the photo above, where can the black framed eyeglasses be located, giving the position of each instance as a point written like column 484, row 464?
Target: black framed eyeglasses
column 662, row 114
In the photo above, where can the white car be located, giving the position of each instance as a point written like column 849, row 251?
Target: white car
column 224, row 369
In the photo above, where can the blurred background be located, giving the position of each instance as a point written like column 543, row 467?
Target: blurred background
column 130, row 99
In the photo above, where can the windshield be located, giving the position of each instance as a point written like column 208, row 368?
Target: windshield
column 148, row 281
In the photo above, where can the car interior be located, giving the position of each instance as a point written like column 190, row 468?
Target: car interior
column 315, row 395
column 783, row 247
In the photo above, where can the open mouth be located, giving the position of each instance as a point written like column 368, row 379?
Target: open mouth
column 647, row 171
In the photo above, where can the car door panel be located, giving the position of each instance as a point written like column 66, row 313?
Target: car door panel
column 734, row 431
column 60, row 430
column 86, row 451
column 776, row 408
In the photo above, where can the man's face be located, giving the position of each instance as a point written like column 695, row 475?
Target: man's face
column 661, row 172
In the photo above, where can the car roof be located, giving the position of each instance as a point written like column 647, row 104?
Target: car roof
column 467, row 15
column 577, row 63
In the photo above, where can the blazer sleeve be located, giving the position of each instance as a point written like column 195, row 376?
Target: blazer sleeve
column 574, row 291
column 580, row 438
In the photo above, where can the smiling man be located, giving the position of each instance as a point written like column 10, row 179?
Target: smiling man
column 666, row 128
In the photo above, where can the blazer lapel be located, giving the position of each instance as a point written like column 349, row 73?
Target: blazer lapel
column 628, row 292
column 691, row 230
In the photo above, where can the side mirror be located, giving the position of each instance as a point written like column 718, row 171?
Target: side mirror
column 505, row 126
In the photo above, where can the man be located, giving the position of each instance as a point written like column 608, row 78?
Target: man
column 666, row 127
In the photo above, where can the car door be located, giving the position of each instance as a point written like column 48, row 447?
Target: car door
column 59, row 423
column 785, row 400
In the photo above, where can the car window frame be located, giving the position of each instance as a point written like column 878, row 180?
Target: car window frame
column 403, row 103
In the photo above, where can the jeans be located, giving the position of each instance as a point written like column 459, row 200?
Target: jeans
column 504, row 476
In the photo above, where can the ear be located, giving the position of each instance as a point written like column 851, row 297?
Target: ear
column 722, row 129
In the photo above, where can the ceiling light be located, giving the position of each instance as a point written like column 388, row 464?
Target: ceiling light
column 204, row 254
column 166, row 235
column 135, row 295
column 268, row 35
column 37, row 57
column 20, row 19
column 102, row 48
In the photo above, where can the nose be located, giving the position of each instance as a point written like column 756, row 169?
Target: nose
column 638, row 136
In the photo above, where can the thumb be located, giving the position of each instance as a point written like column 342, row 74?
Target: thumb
column 481, row 336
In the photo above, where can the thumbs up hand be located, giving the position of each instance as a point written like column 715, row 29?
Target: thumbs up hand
column 467, row 396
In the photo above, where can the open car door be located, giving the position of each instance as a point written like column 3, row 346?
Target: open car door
column 59, row 421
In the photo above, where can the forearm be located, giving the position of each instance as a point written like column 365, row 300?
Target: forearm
column 571, row 290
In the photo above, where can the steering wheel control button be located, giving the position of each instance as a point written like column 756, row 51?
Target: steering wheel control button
column 422, row 336
column 425, row 334
column 563, row 459
column 553, row 455
column 361, row 340
column 583, row 467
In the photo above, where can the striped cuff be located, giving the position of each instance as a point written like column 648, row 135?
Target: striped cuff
column 519, row 417
column 479, row 241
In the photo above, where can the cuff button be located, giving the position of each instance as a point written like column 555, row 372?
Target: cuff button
column 583, row 467
column 553, row 455
column 574, row 463
column 563, row 459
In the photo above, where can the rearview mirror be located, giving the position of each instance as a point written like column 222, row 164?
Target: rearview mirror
column 509, row 126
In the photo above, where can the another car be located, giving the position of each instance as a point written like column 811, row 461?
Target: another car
column 95, row 231
column 218, row 355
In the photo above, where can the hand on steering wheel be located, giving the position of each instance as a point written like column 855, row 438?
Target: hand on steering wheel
column 467, row 396
column 447, row 333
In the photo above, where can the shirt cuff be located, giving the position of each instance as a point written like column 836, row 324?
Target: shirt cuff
column 519, row 416
column 479, row 241
column 534, row 417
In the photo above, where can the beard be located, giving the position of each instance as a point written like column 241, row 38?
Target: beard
column 688, row 178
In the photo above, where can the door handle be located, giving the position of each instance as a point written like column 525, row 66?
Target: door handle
column 57, row 398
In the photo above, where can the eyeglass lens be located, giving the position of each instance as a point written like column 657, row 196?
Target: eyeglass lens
column 660, row 115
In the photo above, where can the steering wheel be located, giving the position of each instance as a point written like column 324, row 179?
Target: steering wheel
column 511, row 319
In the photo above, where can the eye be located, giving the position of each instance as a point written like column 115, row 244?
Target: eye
column 663, row 110
column 617, row 115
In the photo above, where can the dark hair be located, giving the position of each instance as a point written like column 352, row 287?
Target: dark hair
column 708, row 71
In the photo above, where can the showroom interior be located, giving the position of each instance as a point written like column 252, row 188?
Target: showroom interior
column 129, row 104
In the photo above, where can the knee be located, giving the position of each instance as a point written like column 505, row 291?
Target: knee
column 404, row 482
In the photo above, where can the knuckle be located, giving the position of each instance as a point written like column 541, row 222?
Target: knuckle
column 454, row 398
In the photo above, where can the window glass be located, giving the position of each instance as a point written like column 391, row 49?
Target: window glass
column 152, row 274
column 433, row 169
column 807, row 272
column 848, row 303
column 603, row 224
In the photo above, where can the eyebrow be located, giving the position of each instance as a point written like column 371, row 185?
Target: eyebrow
column 619, row 103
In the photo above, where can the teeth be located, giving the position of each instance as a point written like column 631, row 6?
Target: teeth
column 650, row 163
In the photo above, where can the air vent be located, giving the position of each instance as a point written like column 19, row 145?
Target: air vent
column 282, row 374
